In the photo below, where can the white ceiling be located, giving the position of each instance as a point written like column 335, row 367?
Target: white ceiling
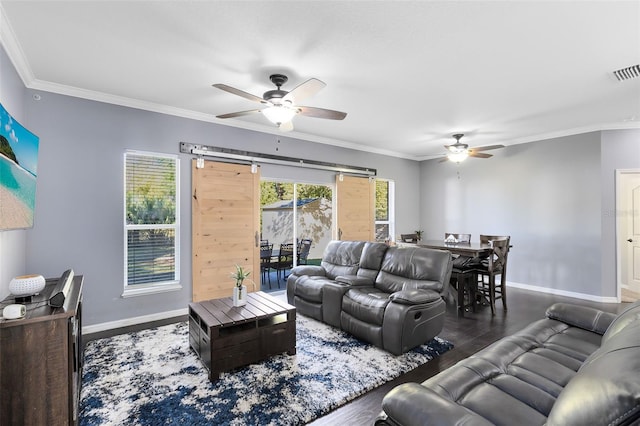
column 409, row 74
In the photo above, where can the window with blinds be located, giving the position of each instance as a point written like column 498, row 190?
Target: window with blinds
column 151, row 222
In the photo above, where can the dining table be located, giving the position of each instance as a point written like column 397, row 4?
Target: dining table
column 473, row 249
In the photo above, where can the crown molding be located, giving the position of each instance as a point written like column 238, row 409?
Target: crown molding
column 14, row 50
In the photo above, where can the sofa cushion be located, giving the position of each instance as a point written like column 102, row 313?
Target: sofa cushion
column 310, row 288
column 371, row 259
column 414, row 268
column 366, row 304
column 414, row 297
column 581, row 316
column 342, row 258
column 626, row 317
column 606, row 388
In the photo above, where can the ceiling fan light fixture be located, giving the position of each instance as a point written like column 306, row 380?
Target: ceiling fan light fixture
column 458, row 156
column 278, row 114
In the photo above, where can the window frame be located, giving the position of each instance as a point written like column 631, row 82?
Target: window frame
column 391, row 216
column 131, row 290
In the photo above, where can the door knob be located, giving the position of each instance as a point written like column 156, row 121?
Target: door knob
column 630, row 240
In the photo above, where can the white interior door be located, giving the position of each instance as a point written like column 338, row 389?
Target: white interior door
column 632, row 237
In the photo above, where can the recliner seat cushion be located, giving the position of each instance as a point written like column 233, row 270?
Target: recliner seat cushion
column 366, row 304
column 310, row 288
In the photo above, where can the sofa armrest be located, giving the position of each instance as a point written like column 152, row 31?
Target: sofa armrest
column 584, row 317
column 413, row 404
column 414, row 297
column 354, row 280
column 315, row 270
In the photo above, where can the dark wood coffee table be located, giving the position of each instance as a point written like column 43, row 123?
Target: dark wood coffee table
column 226, row 337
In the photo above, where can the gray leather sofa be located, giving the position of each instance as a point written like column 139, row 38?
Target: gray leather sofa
column 579, row 366
column 388, row 296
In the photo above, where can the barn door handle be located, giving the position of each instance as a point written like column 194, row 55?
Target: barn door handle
column 257, row 239
column 630, row 240
column 339, row 233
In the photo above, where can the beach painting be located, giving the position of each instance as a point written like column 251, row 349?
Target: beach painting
column 18, row 173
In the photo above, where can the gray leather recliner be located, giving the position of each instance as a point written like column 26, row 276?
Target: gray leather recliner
column 579, row 366
column 404, row 307
column 391, row 297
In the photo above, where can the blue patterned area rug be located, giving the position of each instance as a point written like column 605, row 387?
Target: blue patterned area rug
column 153, row 377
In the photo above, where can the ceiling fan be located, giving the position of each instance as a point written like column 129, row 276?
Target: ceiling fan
column 281, row 106
column 458, row 152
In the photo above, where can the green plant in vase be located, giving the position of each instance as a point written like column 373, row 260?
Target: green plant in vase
column 240, row 275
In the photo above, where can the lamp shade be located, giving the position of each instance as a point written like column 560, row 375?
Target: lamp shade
column 279, row 114
column 458, row 156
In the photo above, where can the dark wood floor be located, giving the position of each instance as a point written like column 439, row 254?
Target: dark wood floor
column 468, row 333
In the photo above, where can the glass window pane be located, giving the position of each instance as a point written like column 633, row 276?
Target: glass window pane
column 314, row 220
column 150, row 189
column 150, row 255
column 382, row 200
column 382, row 232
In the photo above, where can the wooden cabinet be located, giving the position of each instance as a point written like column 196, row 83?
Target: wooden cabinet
column 41, row 360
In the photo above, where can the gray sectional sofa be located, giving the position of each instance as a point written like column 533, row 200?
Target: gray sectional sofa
column 578, row 366
column 389, row 296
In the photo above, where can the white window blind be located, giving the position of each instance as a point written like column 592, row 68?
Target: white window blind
column 151, row 220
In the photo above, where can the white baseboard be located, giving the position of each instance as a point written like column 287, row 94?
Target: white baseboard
column 88, row 329
column 555, row 291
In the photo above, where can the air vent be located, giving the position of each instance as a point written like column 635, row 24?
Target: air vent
column 627, row 73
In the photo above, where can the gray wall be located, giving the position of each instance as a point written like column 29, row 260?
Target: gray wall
column 79, row 211
column 554, row 198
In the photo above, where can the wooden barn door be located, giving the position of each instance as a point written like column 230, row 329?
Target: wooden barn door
column 356, row 208
column 225, row 223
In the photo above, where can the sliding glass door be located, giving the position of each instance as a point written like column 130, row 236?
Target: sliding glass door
column 292, row 212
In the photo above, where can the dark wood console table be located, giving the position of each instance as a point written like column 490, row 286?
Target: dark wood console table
column 226, row 337
column 41, row 360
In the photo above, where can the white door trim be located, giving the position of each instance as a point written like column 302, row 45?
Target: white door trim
column 620, row 239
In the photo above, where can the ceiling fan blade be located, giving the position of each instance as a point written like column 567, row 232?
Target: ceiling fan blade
column 486, row 148
column 286, row 127
column 304, row 91
column 239, row 92
column 321, row 113
column 479, row 155
column 238, row 114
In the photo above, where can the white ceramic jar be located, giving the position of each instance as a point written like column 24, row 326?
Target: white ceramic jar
column 26, row 285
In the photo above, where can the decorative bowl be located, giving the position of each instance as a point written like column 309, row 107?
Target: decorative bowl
column 26, row 285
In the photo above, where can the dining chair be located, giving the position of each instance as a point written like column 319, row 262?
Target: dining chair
column 266, row 251
column 285, row 260
column 462, row 275
column 304, row 247
column 490, row 268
